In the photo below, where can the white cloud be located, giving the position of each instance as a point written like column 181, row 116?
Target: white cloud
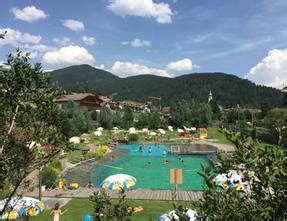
column 242, row 47
column 29, row 13
column 62, row 41
column 101, row 66
column 32, row 54
column 125, row 43
column 271, row 71
column 74, row 25
column 142, row 8
column 89, row 40
column 68, row 55
column 37, row 47
column 181, row 65
column 137, row 43
column 126, row 69
column 4, row 65
column 15, row 37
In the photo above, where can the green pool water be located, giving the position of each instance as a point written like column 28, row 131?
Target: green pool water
column 155, row 175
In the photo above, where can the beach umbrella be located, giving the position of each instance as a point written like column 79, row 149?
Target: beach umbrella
column 144, row 130
column 191, row 214
column 152, row 133
column 118, row 181
column 98, row 133
column 170, row 128
column 132, row 130
column 100, row 129
column 75, row 140
column 21, row 206
column 161, row 131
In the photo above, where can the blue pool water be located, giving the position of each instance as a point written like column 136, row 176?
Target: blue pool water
column 156, row 149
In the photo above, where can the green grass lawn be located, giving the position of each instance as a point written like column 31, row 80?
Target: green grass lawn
column 78, row 208
column 213, row 132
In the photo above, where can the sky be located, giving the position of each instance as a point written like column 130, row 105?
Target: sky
column 247, row 38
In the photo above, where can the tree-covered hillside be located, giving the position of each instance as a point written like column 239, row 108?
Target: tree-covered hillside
column 228, row 90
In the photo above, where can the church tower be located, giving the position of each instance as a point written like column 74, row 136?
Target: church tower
column 210, row 96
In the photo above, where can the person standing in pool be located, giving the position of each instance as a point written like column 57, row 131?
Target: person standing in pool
column 149, row 150
column 164, row 153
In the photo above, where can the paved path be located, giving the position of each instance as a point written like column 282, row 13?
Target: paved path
column 139, row 194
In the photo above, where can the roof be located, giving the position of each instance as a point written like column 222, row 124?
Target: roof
column 105, row 98
column 75, row 97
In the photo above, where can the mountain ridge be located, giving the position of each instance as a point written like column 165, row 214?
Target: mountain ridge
column 228, row 90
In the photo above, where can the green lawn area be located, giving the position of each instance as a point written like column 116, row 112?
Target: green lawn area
column 78, row 208
column 214, row 133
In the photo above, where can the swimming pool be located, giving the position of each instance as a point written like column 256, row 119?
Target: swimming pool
column 147, row 150
column 153, row 175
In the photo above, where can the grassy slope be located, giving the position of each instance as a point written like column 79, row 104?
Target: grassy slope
column 78, row 208
column 213, row 132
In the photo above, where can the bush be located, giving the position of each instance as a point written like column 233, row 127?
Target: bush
column 49, row 177
column 133, row 137
column 96, row 154
column 56, row 166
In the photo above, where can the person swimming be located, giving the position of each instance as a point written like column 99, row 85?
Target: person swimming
column 149, row 163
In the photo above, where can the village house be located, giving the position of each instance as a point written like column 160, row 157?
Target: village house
column 87, row 101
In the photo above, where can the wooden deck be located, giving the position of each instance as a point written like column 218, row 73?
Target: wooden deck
column 139, row 194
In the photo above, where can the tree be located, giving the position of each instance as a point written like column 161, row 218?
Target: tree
column 216, row 112
column 143, row 120
column 235, row 116
column 276, row 120
column 265, row 108
column 200, row 115
column 117, row 119
column 27, row 119
column 154, row 121
column 106, row 209
column 191, row 114
column 264, row 167
column 105, row 117
column 128, row 118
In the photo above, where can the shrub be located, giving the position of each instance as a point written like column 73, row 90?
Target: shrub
column 96, row 154
column 56, row 166
column 49, row 177
column 133, row 137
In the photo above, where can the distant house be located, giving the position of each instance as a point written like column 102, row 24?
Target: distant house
column 87, row 101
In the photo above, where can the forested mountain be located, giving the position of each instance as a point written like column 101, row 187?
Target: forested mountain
column 228, row 90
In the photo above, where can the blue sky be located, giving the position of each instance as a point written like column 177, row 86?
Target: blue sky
column 247, row 38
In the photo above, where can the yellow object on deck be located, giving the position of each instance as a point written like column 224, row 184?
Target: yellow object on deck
column 202, row 133
column 60, row 183
column 74, row 185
